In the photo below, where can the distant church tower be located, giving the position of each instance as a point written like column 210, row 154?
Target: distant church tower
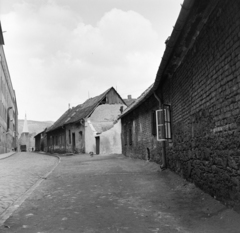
column 25, row 137
column 25, row 125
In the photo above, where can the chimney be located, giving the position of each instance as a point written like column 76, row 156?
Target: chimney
column 129, row 97
column 68, row 106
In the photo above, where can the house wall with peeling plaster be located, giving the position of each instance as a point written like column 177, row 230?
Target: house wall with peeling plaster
column 110, row 140
column 101, row 123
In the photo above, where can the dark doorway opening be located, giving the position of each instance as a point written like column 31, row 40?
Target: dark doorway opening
column 148, row 154
column 73, row 142
column 97, row 145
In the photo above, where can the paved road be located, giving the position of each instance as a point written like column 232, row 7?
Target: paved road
column 19, row 173
column 108, row 194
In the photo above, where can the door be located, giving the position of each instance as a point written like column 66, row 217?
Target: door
column 73, row 142
column 97, row 145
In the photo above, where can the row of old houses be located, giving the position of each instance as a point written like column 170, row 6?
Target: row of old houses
column 188, row 120
column 90, row 127
column 8, row 106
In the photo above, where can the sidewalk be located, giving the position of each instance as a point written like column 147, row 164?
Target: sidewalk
column 6, row 155
column 20, row 175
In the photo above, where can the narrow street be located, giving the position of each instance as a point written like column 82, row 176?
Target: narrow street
column 103, row 194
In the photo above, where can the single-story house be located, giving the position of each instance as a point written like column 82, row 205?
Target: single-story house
column 89, row 127
column 139, row 134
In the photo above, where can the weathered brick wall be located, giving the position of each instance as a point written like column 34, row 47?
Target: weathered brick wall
column 205, row 99
column 140, row 120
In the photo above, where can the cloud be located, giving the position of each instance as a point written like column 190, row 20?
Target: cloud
column 55, row 58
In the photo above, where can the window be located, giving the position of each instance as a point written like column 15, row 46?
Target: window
column 80, row 135
column 8, row 121
column 168, row 126
column 69, row 136
column 163, row 123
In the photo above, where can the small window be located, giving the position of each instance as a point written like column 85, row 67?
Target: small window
column 80, row 135
column 163, row 123
column 104, row 100
column 8, row 121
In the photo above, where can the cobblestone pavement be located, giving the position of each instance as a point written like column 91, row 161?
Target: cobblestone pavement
column 115, row 194
column 20, row 172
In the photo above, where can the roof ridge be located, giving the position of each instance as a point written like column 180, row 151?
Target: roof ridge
column 81, row 111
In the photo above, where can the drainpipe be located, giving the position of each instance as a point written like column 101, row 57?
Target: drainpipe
column 164, row 158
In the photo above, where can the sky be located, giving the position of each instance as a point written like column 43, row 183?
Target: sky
column 62, row 52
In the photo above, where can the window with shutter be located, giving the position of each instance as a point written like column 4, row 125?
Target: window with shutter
column 168, row 128
column 163, row 123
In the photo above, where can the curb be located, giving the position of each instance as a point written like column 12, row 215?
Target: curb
column 16, row 204
column 9, row 155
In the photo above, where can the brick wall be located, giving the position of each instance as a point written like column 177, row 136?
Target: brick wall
column 143, row 143
column 204, row 93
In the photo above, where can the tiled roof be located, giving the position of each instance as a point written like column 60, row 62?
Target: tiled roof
column 137, row 101
column 80, row 111
column 41, row 132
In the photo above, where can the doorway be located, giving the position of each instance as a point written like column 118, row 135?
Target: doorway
column 97, row 145
column 73, row 142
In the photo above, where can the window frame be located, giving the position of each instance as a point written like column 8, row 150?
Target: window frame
column 164, row 123
column 80, row 133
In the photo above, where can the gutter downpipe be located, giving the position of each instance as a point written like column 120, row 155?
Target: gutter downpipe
column 163, row 166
